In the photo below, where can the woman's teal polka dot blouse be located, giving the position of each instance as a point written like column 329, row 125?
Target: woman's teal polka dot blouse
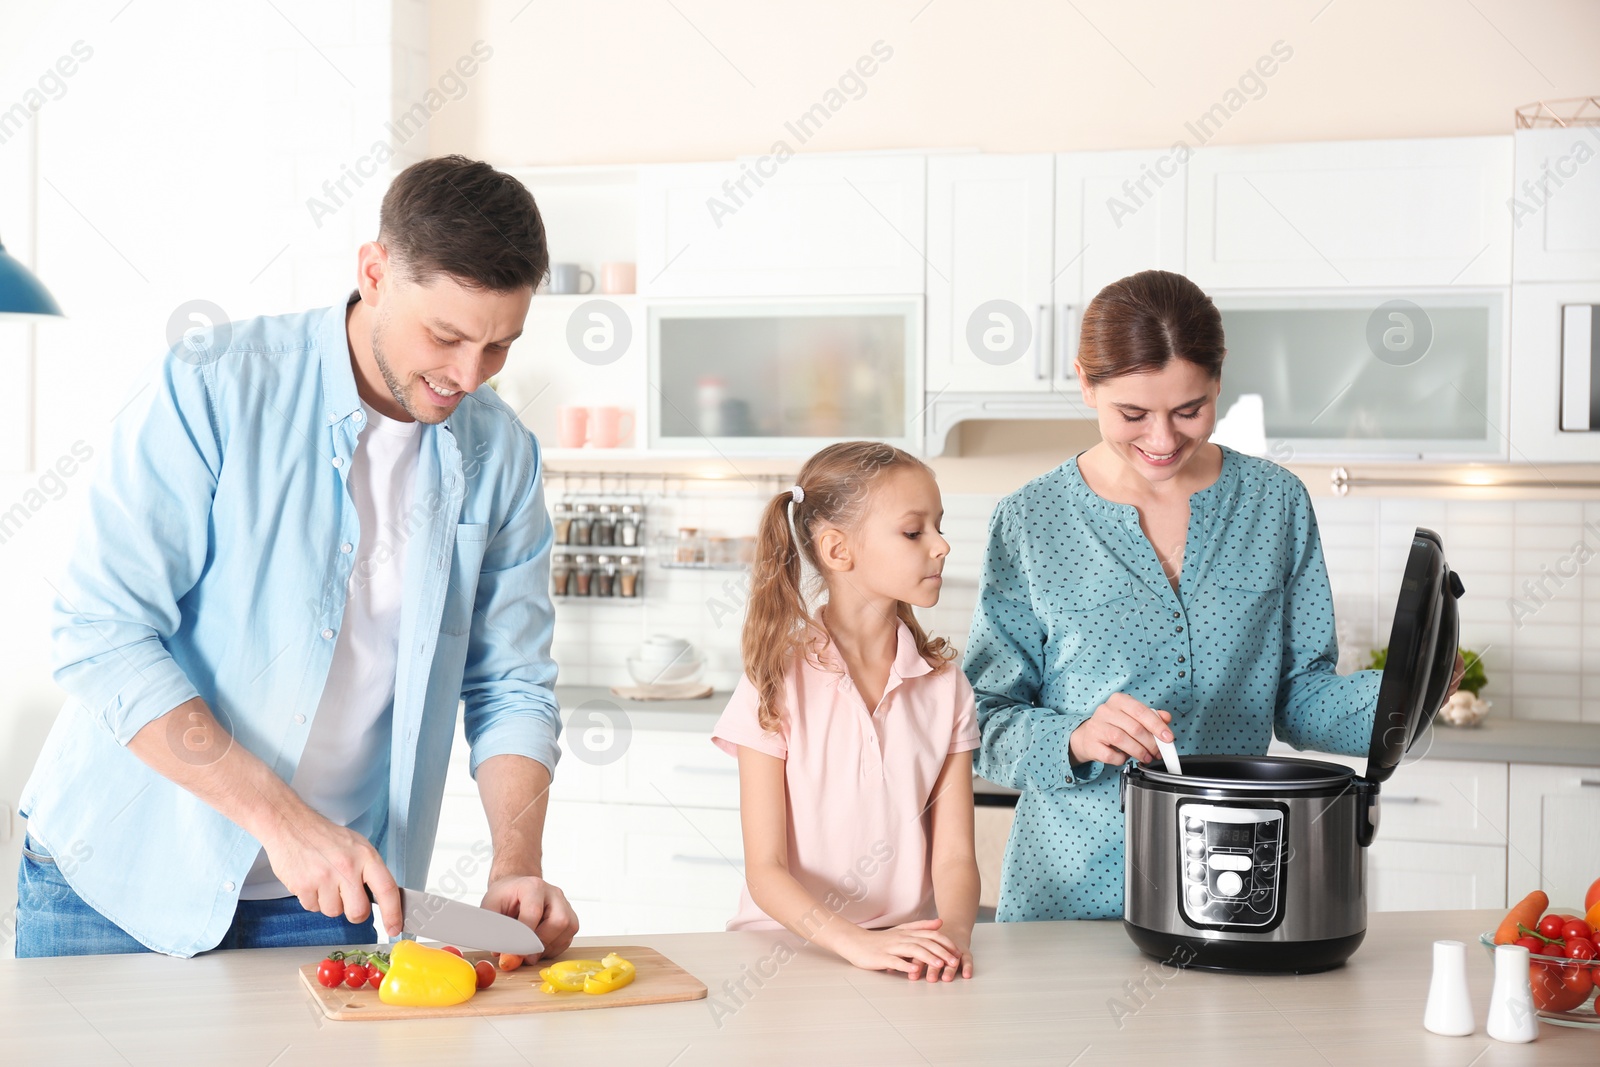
column 1074, row 606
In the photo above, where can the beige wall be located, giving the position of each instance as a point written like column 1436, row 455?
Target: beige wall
column 647, row 80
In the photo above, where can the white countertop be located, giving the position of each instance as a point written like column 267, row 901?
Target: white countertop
column 1043, row 993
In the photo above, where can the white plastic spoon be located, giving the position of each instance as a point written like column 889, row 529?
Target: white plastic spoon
column 1169, row 756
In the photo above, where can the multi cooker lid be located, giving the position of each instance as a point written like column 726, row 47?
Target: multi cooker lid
column 1422, row 654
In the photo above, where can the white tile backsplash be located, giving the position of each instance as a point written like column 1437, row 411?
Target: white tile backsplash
column 1539, row 658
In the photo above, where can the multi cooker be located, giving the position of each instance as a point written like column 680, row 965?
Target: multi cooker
column 1258, row 863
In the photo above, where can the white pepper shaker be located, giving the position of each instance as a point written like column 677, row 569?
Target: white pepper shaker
column 1449, row 1010
column 1511, row 1016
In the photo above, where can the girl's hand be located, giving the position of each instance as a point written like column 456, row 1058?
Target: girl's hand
column 1119, row 729
column 948, row 973
column 912, row 947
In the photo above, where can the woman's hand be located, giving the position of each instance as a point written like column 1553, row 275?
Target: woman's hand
column 1456, row 675
column 913, row 947
column 1119, row 729
column 950, row 972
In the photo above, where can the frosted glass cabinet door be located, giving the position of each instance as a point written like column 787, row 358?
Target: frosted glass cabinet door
column 785, row 377
column 1394, row 375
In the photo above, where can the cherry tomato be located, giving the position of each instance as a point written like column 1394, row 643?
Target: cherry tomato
column 486, row 973
column 1577, row 928
column 375, row 978
column 1580, row 948
column 330, row 973
column 355, row 976
column 1550, row 926
column 452, row 948
column 1532, row 944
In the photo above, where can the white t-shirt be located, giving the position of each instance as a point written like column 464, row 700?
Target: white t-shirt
column 344, row 770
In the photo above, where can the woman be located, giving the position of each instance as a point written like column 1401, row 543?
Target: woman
column 1156, row 585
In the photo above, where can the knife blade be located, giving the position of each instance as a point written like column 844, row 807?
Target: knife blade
column 465, row 926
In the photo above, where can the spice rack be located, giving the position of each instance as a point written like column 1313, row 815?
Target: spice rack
column 599, row 552
column 692, row 550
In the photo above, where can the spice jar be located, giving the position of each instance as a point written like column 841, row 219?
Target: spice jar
column 691, row 547
column 628, row 576
column 582, row 574
column 721, row 551
column 628, row 523
column 605, row 576
column 604, row 531
column 582, row 523
column 563, row 521
column 560, row 574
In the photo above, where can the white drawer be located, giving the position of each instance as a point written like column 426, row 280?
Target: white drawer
column 684, row 770
column 1446, row 801
column 645, row 854
column 605, row 918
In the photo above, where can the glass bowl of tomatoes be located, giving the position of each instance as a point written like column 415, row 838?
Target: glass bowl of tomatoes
column 1563, row 969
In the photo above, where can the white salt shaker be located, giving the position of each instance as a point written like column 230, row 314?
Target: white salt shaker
column 1511, row 1016
column 1449, row 1010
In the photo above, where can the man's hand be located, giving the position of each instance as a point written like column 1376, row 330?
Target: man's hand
column 327, row 867
column 539, row 905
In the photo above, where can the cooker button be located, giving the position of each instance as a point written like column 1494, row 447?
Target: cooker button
column 1266, row 875
column 1267, row 831
column 1229, row 884
column 1197, row 896
column 1196, row 871
column 1266, row 853
column 1195, row 846
column 1194, row 825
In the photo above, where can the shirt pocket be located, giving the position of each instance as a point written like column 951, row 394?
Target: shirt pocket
column 1099, row 631
column 466, row 562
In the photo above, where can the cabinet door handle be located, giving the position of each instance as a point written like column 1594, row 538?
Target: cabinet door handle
column 1062, row 332
column 1589, row 783
column 706, row 861
column 1043, row 345
column 1386, row 799
column 686, row 768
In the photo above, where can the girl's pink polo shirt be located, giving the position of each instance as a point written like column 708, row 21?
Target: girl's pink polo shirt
column 860, row 780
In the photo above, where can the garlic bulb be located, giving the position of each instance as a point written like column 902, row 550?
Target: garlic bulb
column 1464, row 709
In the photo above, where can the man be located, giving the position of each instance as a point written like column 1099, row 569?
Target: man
column 318, row 537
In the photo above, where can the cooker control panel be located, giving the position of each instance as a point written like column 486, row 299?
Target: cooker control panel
column 1232, row 863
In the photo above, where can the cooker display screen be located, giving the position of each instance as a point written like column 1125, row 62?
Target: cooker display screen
column 1231, row 834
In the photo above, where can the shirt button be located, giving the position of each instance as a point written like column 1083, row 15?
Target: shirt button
column 347, row 547
column 1180, row 674
column 1179, row 630
column 359, row 417
column 338, row 461
column 1177, row 614
column 328, row 634
column 299, row 719
column 1180, row 659
column 227, row 887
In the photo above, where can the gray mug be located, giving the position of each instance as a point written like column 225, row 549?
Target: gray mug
column 570, row 278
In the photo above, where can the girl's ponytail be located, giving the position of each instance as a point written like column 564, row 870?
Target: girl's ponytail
column 776, row 617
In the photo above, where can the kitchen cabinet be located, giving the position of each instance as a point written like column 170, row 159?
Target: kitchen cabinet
column 799, row 226
column 990, row 273
column 1117, row 213
column 1555, row 205
column 785, row 377
column 1554, row 832
column 647, row 843
column 1419, row 876
column 1418, row 212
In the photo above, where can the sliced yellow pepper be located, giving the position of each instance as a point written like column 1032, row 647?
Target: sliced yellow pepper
column 422, row 977
column 568, row 976
column 618, row 972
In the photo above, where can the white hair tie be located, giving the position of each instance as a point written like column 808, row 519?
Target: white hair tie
column 797, row 494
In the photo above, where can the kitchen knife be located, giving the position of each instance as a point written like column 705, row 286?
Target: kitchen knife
column 463, row 925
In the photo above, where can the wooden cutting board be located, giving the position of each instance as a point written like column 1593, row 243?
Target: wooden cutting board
column 658, row 981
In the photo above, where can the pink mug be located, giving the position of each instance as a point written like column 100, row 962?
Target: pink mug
column 572, row 426
column 611, row 426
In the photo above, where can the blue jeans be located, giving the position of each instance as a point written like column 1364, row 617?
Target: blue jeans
column 52, row 920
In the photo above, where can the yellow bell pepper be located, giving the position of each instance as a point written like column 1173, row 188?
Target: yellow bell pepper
column 568, row 976
column 422, row 977
column 618, row 972
column 586, row 976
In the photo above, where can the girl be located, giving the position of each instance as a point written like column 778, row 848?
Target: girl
column 853, row 731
